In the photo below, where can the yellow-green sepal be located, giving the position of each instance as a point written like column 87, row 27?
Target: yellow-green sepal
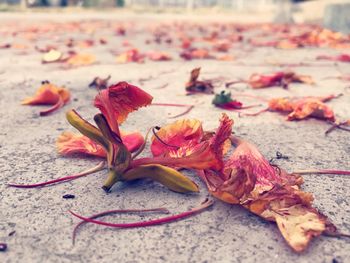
column 87, row 129
column 167, row 176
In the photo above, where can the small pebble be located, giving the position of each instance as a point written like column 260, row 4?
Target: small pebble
column 68, row 196
column 3, row 247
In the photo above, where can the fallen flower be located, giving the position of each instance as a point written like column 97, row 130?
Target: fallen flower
column 159, row 56
column 52, row 56
column 340, row 58
column 249, row 180
column 279, row 79
column 81, row 60
column 195, row 53
column 301, row 108
column 224, row 100
column 116, row 103
column 132, row 55
column 49, row 94
column 100, row 83
column 196, row 86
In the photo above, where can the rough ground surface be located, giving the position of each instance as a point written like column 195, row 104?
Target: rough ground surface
column 224, row 233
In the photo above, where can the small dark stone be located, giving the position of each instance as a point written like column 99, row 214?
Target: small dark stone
column 75, row 99
column 3, row 247
column 12, row 233
column 334, row 260
column 68, row 196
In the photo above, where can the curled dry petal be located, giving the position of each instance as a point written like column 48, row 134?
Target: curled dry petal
column 49, row 94
column 196, row 86
column 311, row 108
column 301, row 108
column 283, row 79
column 248, row 179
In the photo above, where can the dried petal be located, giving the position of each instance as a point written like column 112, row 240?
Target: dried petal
column 311, row 107
column 196, row 86
column 81, row 60
column 250, row 180
column 52, row 56
column 132, row 55
column 224, row 101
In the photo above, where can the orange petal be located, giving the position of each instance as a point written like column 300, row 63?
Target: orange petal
column 132, row 55
column 69, row 143
column 177, row 135
column 204, row 155
column 81, row 60
column 281, row 105
column 48, row 94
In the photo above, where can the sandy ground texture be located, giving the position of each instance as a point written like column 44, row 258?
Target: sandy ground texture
column 223, row 233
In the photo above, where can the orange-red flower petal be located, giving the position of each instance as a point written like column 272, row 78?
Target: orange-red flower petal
column 119, row 100
column 49, row 94
column 70, row 143
column 177, row 139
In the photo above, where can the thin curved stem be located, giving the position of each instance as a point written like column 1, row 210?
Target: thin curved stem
column 118, row 211
column 189, row 108
column 207, row 203
column 323, row 171
column 95, row 169
column 140, row 150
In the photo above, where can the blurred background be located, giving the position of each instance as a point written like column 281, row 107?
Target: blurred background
column 326, row 12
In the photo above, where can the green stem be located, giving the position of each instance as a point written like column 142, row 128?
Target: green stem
column 112, row 178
